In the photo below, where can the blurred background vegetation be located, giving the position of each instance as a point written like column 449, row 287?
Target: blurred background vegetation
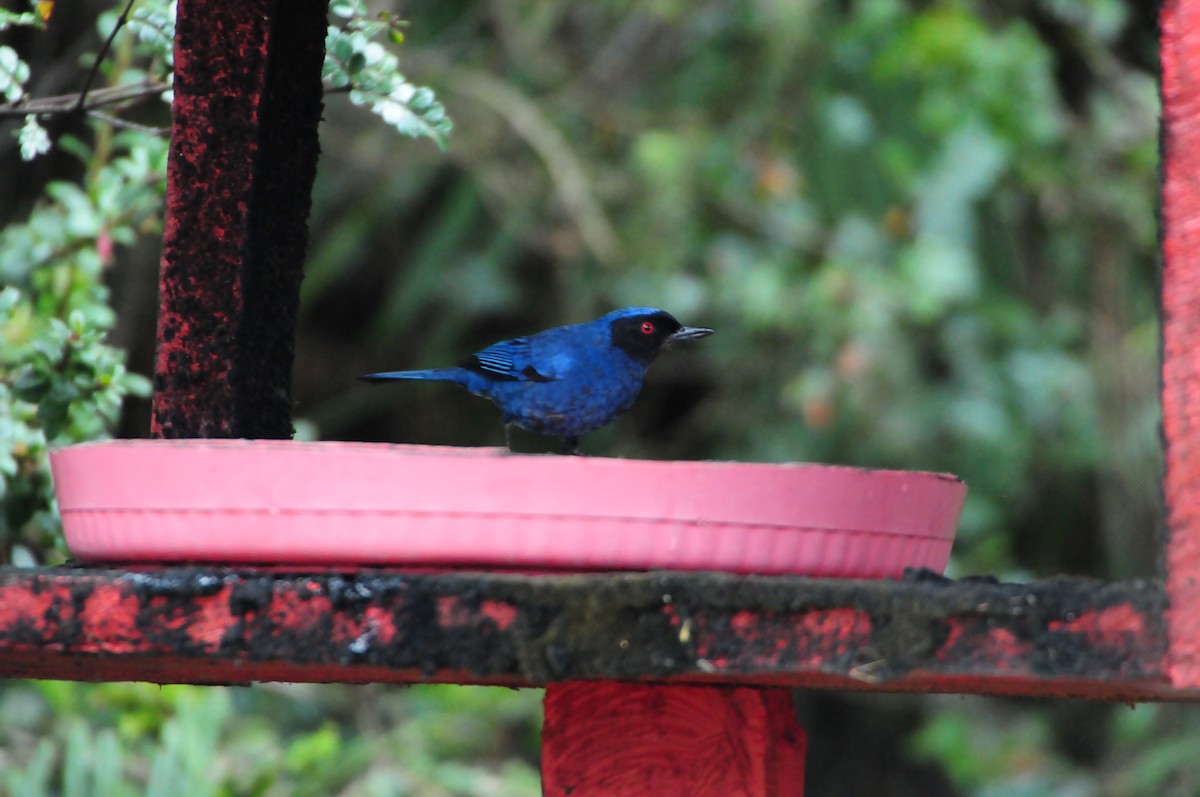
column 925, row 231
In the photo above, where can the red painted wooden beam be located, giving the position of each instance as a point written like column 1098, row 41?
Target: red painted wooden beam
column 1062, row 637
column 242, row 162
column 637, row 740
column 1180, row 55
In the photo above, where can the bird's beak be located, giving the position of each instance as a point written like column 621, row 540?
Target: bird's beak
column 689, row 333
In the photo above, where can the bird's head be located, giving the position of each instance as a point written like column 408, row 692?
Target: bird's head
column 643, row 332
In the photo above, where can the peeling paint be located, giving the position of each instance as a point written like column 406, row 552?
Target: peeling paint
column 926, row 633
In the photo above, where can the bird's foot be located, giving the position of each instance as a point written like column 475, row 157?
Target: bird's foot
column 571, row 445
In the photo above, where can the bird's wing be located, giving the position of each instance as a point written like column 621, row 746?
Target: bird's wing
column 508, row 360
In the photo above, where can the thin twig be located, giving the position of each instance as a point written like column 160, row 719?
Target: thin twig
column 125, row 124
column 68, row 103
column 63, row 104
column 87, row 84
column 566, row 169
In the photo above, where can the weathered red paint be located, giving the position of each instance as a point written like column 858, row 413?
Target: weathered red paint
column 972, row 646
column 1118, row 626
column 453, row 612
column 110, row 617
column 1180, row 53
column 1055, row 638
column 242, row 161
column 26, row 605
column 607, row 738
column 820, row 637
column 502, row 614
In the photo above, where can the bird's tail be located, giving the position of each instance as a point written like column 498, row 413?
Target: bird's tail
column 430, row 375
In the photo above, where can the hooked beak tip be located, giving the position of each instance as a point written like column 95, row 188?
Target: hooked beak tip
column 691, row 333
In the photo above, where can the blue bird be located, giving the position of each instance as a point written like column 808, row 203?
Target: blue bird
column 566, row 381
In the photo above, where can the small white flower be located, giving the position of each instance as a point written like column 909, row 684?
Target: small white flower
column 34, row 139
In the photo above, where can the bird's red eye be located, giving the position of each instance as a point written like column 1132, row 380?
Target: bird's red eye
column 647, row 328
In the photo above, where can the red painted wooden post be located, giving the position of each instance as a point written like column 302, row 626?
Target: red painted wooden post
column 242, row 162
column 603, row 739
column 1181, row 331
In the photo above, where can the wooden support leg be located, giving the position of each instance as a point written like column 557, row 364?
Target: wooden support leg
column 612, row 739
column 242, row 163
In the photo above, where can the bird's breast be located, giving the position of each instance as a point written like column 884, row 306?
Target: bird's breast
column 581, row 399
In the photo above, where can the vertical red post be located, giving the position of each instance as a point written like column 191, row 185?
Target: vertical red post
column 1181, row 331
column 610, row 739
column 242, row 162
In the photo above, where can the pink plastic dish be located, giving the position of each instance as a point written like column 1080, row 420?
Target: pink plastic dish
column 335, row 504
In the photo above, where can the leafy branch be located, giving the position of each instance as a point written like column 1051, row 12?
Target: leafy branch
column 356, row 63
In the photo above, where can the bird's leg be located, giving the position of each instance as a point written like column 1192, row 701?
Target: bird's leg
column 571, row 444
column 508, row 437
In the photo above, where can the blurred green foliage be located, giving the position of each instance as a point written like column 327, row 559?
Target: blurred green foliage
column 60, row 381
column 1013, row 753
column 112, row 740
column 925, row 233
